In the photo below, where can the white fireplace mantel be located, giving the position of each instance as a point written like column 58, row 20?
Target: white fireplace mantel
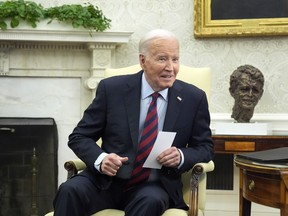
column 54, row 72
column 58, row 50
column 99, row 44
column 59, row 32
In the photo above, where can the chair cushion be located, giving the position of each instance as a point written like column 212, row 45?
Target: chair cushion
column 174, row 212
column 109, row 212
column 114, row 212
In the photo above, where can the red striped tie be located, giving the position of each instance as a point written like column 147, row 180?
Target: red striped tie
column 148, row 137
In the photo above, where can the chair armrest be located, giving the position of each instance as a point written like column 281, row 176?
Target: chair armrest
column 198, row 175
column 74, row 166
column 200, row 168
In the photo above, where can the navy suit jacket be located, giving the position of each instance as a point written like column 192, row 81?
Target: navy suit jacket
column 113, row 116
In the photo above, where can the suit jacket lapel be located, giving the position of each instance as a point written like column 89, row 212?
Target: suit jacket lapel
column 133, row 109
column 173, row 109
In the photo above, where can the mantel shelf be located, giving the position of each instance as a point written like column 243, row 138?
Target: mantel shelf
column 66, row 35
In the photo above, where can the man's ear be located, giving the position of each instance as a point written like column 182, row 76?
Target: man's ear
column 141, row 60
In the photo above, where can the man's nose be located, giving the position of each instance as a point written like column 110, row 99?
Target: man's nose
column 169, row 65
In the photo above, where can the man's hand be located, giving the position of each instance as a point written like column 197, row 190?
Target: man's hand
column 112, row 163
column 171, row 157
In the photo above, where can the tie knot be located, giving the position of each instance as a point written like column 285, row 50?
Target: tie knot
column 155, row 95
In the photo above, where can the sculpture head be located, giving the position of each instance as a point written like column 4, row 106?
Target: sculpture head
column 246, row 87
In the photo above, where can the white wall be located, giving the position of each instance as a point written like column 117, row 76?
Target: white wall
column 223, row 55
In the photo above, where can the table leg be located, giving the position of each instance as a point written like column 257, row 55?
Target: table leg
column 284, row 211
column 246, row 207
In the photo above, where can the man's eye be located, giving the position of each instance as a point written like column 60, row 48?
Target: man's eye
column 162, row 59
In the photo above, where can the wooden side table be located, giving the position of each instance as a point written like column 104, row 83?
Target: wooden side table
column 231, row 144
column 263, row 184
column 225, row 146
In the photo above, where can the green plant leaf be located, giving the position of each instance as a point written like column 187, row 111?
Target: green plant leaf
column 86, row 16
column 3, row 25
column 14, row 22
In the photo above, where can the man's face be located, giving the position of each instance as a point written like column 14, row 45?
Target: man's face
column 161, row 64
column 248, row 92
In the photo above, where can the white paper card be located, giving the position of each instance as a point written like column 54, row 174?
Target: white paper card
column 163, row 141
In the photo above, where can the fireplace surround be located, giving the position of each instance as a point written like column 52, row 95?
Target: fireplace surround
column 51, row 71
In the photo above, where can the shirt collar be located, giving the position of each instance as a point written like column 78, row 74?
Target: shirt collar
column 146, row 90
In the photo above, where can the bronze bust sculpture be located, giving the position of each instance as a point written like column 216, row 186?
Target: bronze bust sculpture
column 246, row 87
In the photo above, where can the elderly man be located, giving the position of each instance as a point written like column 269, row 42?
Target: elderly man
column 115, row 176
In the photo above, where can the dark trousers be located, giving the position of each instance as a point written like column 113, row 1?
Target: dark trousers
column 80, row 197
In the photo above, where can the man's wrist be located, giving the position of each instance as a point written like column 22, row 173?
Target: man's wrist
column 98, row 162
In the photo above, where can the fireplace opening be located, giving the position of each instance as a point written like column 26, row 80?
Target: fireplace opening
column 28, row 166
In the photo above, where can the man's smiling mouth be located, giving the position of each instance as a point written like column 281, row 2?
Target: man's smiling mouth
column 167, row 76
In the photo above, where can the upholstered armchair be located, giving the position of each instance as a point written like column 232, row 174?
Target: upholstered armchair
column 194, row 181
column 194, row 189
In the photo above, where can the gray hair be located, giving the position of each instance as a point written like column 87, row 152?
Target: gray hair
column 152, row 35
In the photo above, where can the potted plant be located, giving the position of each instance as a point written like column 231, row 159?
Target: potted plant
column 88, row 16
